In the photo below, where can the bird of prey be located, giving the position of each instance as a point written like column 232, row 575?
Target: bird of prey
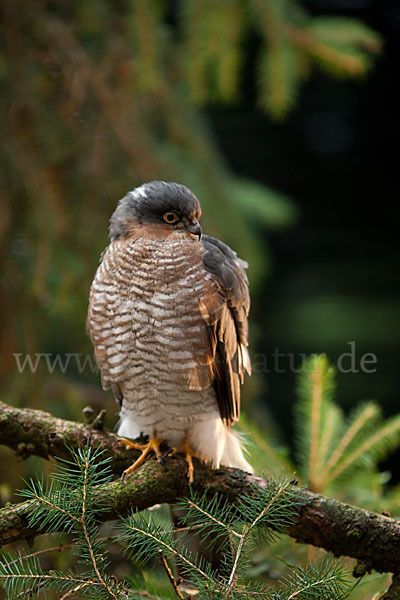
column 167, row 317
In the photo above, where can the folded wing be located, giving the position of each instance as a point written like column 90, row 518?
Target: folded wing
column 225, row 314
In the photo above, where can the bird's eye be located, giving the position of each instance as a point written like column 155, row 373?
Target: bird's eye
column 170, row 217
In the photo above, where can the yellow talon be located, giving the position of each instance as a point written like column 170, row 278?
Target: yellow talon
column 185, row 449
column 153, row 445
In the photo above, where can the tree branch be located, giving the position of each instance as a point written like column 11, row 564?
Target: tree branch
column 34, row 432
column 324, row 522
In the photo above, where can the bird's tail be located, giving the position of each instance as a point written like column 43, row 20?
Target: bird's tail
column 218, row 444
column 233, row 454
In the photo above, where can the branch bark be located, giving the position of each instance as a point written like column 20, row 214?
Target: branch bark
column 324, row 522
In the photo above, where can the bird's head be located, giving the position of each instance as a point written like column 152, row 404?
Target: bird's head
column 160, row 207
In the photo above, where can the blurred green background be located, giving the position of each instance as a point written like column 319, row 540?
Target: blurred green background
column 278, row 114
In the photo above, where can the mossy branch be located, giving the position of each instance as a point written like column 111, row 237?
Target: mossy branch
column 327, row 523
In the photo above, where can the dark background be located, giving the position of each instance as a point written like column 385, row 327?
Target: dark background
column 336, row 273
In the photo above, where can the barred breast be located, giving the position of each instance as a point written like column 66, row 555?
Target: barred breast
column 150, row 337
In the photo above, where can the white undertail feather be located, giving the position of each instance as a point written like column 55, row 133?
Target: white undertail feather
column 128, row 428
column 218, row 444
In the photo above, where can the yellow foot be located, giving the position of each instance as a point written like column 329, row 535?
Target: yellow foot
column 185, row 449
column 152, row 446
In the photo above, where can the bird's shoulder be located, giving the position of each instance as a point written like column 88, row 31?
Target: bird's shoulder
column 228, row 270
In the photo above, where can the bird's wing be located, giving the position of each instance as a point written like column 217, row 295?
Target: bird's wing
column 226, row 316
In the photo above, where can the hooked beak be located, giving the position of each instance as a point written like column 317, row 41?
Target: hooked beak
column 195, row 229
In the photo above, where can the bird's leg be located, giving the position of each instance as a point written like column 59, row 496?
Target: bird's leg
column 153, row 445
column 185, row 449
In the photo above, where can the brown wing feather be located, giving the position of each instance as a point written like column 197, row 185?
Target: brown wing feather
column 226, row 316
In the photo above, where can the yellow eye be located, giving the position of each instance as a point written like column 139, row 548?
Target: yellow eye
column 170, row 217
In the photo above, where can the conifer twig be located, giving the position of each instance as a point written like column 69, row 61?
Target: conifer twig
column 93, row 559
column 324, row 522
column 162, row 544
column 365, row 447
column 62, row 547
column 208, row 517
column 58, row 548
column 315, row 423
column 170, row 576
column 368, row 412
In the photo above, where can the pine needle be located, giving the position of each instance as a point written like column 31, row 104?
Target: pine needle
column 378, row 444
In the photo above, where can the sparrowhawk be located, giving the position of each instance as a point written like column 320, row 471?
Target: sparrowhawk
column 168, row 319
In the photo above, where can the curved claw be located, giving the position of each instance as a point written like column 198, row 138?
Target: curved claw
column 153, row 445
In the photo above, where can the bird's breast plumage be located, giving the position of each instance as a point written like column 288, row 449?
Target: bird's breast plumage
column 149, row 332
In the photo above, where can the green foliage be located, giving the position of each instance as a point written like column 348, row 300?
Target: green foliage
column 337, row 455
column 330, row 448
column 327, row 580
column 212, row 31
column 290, row 41
column 315, row 418
column 145, row 37
column 342, row 46
column 71, row 502
column 235, row 530
column 278, row 72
